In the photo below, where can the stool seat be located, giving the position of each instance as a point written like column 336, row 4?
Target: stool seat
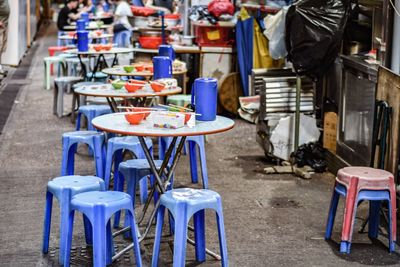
column 75, row 183
column 367, row 178
column 82, row 135
column 139, row 164
column 107, row 199
column 191, row 197
column 63, row 189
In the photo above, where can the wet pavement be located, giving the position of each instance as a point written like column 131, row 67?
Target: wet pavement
column 270, row 220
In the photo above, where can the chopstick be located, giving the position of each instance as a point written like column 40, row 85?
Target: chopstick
column 149, row 109
column 174, row 106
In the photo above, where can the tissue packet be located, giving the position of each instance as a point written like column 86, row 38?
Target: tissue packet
column 168, row 120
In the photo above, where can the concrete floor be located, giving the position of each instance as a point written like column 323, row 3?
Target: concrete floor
column 270, row 220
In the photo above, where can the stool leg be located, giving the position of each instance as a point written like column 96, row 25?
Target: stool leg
column 99, row 243
column 47, row 222
column 131, row 190
column 203, row 164
column 88, row 230
column 118, row 186
column 78, row 121
column 199, row 236
column 98, row 155
column 158, row 234
column 143, row 190
column 392, row 217
column 60, row 100
column 332, row 214
column 180, row 239
column 64, row 215
column 55, row 96
column 193, row 161
column 374, row 214
column 71, row 159
column 118, row 157
column 221, row 234
column 47, row 75
column 109, row 244
column 348, row 219
column 109, row 161
column 134, row 231
column 69, row 239
column 64, row 160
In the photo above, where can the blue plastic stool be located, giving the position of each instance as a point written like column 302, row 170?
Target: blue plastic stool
column 375, row 197
column 70, row 141
column 134, row 171
column 91, row 112
column 183, row 203
column 193, row 142
column 98, row 207
column 98, row 77
column 122, row 38
column 115, row 146
column 64, row 188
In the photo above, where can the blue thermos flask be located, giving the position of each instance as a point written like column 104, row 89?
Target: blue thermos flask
column 80, row 25
column 83, row 41
column 162, row 67
column 166, row 51
column 204, row 98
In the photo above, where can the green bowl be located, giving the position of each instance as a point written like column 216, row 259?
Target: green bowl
column 129, row 69
column 118, row 85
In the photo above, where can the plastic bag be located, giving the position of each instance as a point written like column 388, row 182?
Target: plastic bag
column 275, row 33
column 221, row 7
column 314, row 30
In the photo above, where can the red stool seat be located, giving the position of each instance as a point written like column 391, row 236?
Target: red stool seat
column 355, row 180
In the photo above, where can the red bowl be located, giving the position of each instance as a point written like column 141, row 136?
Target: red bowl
column 107, row 47
column 71, row 34
column 139, row 67
column 150, row 42
column 172, row 16
column 157, row 87
column 146, row 111
column 98, row 47
column 134, row 118
column 133, row 87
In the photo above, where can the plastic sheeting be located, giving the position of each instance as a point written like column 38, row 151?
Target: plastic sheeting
column 314, row 30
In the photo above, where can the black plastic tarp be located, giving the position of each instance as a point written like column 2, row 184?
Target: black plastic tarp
column 314, row 30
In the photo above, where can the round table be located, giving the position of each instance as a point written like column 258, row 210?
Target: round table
column 116, row 123
column 108, row 92
column 119, row 71
column 100, row 57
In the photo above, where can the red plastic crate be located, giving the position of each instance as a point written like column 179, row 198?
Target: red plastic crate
column 213, row 35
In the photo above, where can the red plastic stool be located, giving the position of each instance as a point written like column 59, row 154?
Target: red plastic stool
column 52, row 52
column 357, row 184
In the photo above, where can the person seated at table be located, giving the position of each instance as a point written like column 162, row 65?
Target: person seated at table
column 121, row 14
column 68, row 14
column 167, row 6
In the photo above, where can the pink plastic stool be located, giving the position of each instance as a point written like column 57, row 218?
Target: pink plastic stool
column 53, row 50
column 356, row 179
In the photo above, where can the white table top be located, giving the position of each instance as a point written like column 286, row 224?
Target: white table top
column 114, row 50
column 116, row 123
column 88, row 28
column 107, row 90
column 68, row 37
